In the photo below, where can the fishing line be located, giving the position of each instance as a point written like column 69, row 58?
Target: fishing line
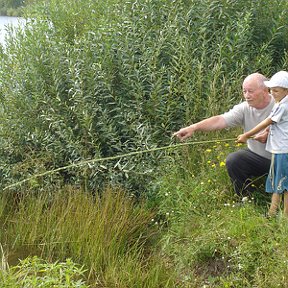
column 86, row 162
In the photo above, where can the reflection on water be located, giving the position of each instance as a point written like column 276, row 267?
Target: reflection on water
column 6, row 21
column 21, row 253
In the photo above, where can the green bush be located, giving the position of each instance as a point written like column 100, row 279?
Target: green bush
column 93, row 79
column 35, row 272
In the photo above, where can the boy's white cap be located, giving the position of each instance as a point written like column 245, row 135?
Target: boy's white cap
column 280, row 79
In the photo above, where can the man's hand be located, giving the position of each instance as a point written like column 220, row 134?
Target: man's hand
column 184, row 133
column 262, row 136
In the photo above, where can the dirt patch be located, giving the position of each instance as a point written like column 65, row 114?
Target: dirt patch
column 213, row 267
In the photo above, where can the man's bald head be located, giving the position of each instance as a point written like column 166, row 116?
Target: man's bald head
column 257, row 78
column 255, row 92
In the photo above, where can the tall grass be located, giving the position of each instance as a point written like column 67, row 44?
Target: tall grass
column 110, row 235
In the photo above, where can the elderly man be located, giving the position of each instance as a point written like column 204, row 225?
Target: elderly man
column 254, row 161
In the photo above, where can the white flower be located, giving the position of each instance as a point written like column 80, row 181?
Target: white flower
column 245, row 199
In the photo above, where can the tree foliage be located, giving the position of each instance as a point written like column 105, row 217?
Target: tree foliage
column 89, row 79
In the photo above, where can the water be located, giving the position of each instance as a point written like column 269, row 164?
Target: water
column 4, row 21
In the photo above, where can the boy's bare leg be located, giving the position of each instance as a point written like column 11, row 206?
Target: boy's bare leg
column 275, row 201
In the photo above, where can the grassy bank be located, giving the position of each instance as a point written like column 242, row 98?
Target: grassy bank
column 196, row 233
column 214, row 238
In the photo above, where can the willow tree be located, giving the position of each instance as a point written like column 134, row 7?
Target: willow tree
column 93, row 79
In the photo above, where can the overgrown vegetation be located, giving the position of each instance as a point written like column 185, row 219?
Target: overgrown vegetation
column 215, row 240
column 91, row 79
column 109, row 235
column 34, row 272
column 94, row 79
column 200, row 235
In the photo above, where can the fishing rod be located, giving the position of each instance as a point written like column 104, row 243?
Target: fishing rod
column 95, row 160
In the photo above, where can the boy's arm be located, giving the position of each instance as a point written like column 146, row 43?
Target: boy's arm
column 242, row 138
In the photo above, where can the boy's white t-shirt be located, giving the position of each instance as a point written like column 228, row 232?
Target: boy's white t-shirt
column 248, row 117
column 277, row 141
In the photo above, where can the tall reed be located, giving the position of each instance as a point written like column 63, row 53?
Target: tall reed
column 110, row 235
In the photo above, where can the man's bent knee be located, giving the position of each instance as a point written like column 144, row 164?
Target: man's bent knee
column 231, row 162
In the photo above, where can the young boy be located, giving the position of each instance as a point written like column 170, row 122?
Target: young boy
column 277, row 142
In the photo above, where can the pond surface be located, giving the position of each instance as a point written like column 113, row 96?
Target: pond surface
column 6, row 21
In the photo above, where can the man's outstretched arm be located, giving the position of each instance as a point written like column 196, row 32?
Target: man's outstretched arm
column 210, row 124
